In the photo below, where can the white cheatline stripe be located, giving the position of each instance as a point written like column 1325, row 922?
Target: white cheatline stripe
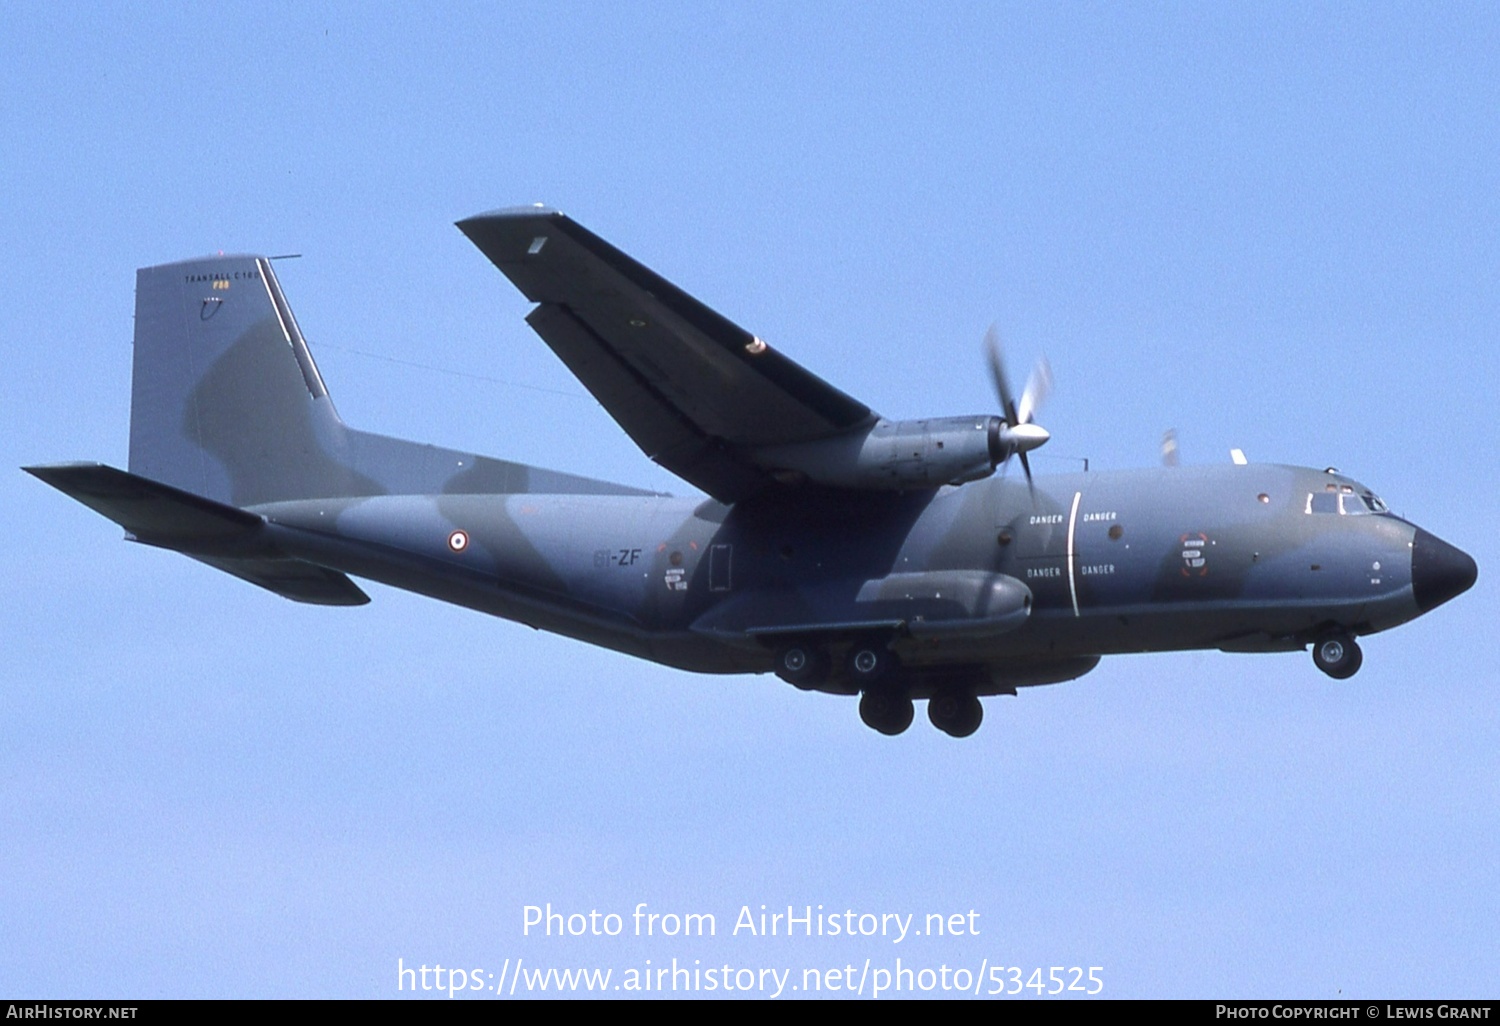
column 1072, row 555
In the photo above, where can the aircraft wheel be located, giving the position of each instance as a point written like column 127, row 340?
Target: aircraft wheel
column 801, row 665
column 1338, row 656
column 956, row 713
column 868, row 664
column 886, row 710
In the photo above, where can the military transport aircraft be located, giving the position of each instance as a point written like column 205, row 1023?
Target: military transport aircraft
column 844, row 552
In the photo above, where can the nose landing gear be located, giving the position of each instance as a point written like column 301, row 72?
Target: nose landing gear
column 1337, row 655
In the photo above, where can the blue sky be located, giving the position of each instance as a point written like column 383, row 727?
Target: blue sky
column 1266, row 226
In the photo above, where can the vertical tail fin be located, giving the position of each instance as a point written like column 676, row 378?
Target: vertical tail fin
column 226, row 401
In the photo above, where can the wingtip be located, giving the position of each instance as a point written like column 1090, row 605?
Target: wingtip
column 43, row 471
column 511, row 214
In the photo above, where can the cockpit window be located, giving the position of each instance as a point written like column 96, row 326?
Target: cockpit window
column 1323, row 502
column 1344, row 502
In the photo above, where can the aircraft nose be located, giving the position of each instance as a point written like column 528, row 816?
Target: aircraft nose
column 1439, row 571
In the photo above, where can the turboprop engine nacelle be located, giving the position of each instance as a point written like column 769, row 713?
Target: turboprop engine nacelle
column 898, row 455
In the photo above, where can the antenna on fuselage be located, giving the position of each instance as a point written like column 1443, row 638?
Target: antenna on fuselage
column 1170, row 457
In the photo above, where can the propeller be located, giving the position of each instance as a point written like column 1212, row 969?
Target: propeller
column 1017, row 434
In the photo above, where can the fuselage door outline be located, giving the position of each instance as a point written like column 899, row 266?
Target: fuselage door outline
column 720, row 559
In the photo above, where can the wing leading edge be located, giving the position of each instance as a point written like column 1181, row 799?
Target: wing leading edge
column 698, row 393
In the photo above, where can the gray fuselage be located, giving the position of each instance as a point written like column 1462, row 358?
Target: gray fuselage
column 1248, row 558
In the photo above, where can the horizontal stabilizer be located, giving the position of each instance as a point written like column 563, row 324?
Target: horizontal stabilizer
column 224, row 537
column 150, row 511
column 295, row 579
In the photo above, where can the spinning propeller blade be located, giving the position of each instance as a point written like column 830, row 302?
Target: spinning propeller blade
column 1019, row 434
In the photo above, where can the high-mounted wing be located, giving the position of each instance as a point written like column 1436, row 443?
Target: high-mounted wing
column 694, row 390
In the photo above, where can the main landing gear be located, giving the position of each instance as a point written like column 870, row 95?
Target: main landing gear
column 885, row 702
column 955, row 712
column 870, row 664
column 807, row 665
column 1338, row 656
column 802, row 666
column 886, row 709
